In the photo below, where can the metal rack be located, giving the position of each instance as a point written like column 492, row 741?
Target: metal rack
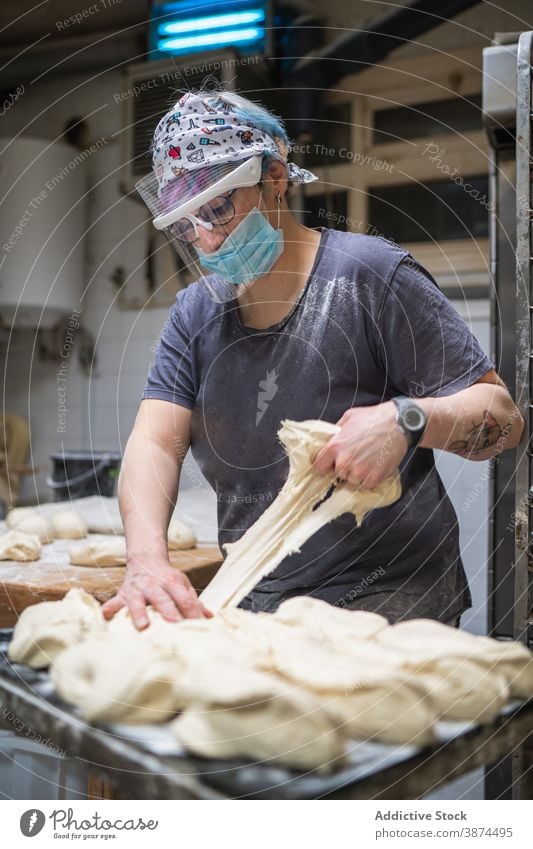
column 507, row 114
column 523, row 601
column 507, row 117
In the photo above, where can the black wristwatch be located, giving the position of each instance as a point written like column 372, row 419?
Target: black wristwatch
column 411, row 418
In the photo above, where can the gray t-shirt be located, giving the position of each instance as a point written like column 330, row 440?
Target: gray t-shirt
column 369, row 325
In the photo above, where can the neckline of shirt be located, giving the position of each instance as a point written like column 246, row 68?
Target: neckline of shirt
column 233, row 309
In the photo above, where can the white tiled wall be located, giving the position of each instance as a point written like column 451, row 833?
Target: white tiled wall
column 102, row 407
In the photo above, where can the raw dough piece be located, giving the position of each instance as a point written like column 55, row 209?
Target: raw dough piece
column 69, row 524
column 36, row 524
column 16, row 545
column 124, row 675
column 331, row 622
column 395, row 709
column 428, row 642
column 291, row 728
column 308, row 661
column 180, row 535
column 45, row 630
column 291, row 519
column 371, row 694
column 225, row 682
column 459, row 689
column 129, row 683
column 258, row 632
column 107, row 552
column 190, row 640
column 17, row 514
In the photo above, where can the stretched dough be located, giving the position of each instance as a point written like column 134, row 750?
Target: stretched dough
column 107, row 552
column 292, row 518
column 180, row 535
column 16, row 545
column 69, row 524
column 45, row 630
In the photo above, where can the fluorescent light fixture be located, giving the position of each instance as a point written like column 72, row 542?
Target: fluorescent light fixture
column 211, row 39
column 235, row 19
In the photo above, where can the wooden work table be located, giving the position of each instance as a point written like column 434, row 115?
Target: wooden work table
column 49, row 579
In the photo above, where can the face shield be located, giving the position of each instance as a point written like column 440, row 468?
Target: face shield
column 204, row 198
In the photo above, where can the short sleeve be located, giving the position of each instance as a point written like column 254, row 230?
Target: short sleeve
column 171, row 376
column 426, row 347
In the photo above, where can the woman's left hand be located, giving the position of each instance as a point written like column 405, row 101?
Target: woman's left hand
column 369, row 447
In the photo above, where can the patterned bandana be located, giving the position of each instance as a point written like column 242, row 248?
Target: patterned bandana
column 194, row 135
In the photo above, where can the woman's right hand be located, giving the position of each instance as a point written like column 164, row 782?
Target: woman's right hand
column 166, row 589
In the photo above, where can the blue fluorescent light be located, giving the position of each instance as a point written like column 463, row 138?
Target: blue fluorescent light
column 254, row 16
column 210, row 39
column 181, row 5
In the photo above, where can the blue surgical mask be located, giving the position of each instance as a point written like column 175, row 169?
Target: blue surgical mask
column 248, row 252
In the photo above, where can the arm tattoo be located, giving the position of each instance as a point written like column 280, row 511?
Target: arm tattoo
column 484, row 435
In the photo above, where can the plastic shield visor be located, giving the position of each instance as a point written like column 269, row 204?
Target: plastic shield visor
column 178, row 207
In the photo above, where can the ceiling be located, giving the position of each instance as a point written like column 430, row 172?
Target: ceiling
column 24, row 21
column 36, row 35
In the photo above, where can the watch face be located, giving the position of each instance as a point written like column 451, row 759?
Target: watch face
column 413, row 418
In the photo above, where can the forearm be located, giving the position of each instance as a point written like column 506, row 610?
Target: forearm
column 477, row 423
column 147, row 492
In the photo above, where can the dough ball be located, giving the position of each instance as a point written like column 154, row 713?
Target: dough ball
column 330, row 621
column 123, row 681
column 108, row 552
column 16, row 545
column 180, row 535
column 37, row 525
column 69, row 524
column 17, row 514
column 45, row 630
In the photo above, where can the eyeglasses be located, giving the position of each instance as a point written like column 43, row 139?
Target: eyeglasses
column 216, row 213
